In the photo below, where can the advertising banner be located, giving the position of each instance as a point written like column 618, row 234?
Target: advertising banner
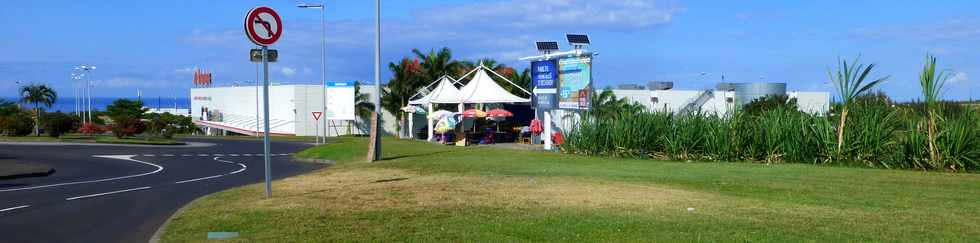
column 544, row 74
column 546, row 101
column 340, row 101
column 574, row 82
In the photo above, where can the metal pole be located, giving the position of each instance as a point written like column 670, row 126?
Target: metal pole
column 256, row 99
column 323, row 68
column 88, row 88
column 377, row 79
column 265, row 112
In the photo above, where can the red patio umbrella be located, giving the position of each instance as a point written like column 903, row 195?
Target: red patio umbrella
column 474, row 113
column 499, row 113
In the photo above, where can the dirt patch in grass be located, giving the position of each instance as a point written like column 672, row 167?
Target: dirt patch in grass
column 384, row 189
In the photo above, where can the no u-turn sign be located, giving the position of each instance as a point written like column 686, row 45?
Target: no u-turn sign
column 263, row 26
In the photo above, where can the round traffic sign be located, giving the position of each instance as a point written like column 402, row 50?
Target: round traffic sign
column 263, row 26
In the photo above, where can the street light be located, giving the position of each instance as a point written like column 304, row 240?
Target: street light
column 323, row 57
column 377, row 81
column 88, row 90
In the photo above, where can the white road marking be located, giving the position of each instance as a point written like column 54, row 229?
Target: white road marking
column 198, row 179
column 185, row 155
column 202, row 155
column 107, row 193
column 233, row 155
column 168, row 155
column 149, row 155
column 119, row 157
column 216, row 176
column 14, row 208
column 283, row 154
column 217, row 155
column 246, row 154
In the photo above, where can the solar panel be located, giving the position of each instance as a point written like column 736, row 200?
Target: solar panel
column 576, row 39
column 547, row 45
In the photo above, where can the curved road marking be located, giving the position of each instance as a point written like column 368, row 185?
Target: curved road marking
column 14, row 208
column 119, row 157
column 216, row 176
column 107, row 193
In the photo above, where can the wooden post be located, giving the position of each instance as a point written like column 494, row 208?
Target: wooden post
column 372, row 155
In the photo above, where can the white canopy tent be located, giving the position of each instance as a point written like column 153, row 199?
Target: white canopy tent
column 481, row 89
column 444, row 92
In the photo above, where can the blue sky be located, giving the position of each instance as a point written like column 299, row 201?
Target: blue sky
column 155, row 45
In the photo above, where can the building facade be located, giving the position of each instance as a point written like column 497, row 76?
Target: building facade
column 239, row 109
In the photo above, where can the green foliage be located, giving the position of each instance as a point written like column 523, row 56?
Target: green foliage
column 126, row 117
column 362, row 106
column 883, row 135
column 770, row 102
column 166, row 125
column 38, row 96
column 15, row 121
column 127, row 127
column 849, row 80
column 57, row 124
column 126, row 109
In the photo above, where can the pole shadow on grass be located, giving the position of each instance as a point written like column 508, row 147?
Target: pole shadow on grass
column 418, row 155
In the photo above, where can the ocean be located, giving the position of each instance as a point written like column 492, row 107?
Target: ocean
column 67, row 104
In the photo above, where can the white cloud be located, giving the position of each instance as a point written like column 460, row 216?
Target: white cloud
column 204, row 37
column 186, row 70
column 950, row 30
column 123, row 82
column 629, row 15
column 289, row 72
column 959, row 77
column 503, row 30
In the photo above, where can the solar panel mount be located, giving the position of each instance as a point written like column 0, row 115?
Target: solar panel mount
column 547, row 45
column 577, row 39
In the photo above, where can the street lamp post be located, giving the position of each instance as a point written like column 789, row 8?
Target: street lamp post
column 323, row 58
column 377, row 80
column 88, row 90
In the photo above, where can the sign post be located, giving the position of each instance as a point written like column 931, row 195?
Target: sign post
column 316, row 126
column 264, row 27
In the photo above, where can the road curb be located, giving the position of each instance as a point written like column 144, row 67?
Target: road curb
column 158, row 235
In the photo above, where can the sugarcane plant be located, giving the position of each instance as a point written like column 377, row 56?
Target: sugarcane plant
column 932, row 83
column 849, row 81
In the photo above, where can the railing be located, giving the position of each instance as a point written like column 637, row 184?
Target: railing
column 697, row 102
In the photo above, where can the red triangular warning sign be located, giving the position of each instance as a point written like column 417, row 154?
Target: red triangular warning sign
column 316, row 115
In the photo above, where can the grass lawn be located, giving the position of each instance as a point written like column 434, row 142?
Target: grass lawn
column 425, row 192
column 93, row 139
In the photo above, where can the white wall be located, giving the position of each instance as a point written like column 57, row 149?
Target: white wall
column 240, row 102
column 289, row 104
column 676, row 100
column 812, row 102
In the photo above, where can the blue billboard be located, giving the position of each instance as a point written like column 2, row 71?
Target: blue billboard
column 544, row 75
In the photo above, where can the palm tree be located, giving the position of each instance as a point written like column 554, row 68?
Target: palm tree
column 362, row 104
column 37, row 95
column 932, row 84
column 407, row 79
column 849, row 82
column 522, row 79
column 436, row 63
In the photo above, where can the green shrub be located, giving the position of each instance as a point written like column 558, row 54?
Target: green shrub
column 59, row 123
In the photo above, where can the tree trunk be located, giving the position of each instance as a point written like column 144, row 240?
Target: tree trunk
column 37, row 120
column 840, row 130
column 931, row 130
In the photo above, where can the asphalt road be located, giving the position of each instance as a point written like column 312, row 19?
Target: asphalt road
column 123, row 194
